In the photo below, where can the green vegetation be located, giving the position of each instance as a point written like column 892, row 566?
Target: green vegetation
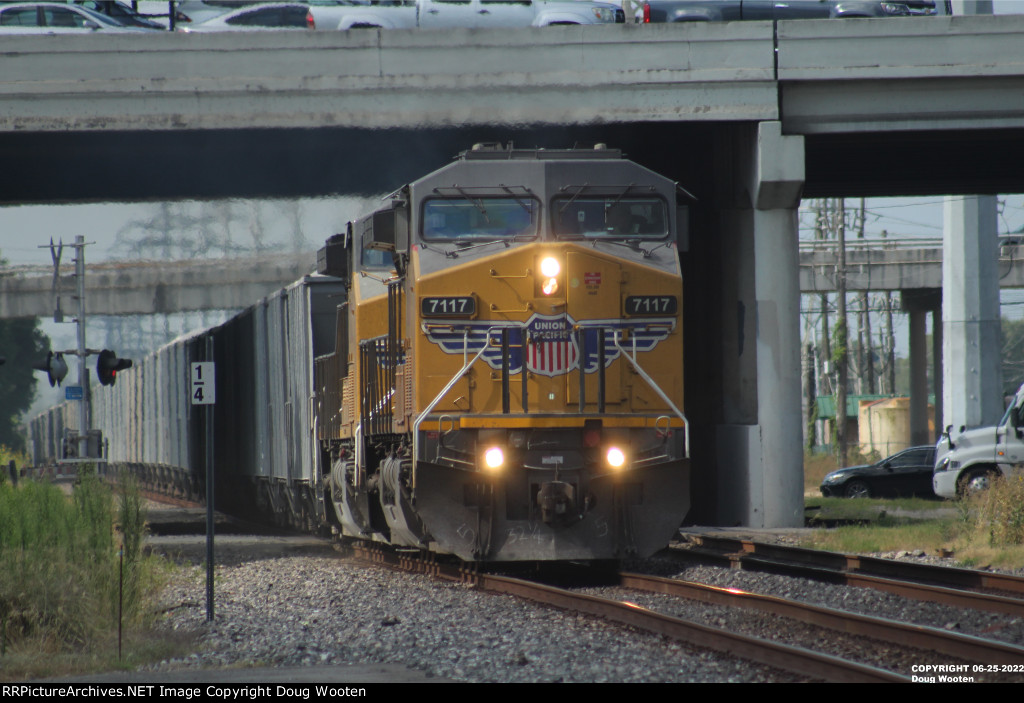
column 62, row 575
column 7, row 455
column 984, row 530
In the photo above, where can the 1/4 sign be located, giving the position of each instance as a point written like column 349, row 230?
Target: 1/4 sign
column 203, row 390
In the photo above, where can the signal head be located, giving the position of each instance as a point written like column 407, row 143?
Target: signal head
column 108, row 365
column 54, row 366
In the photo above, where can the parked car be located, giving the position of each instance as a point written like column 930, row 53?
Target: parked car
column 728, row 10
column 280, row 15
column 904, row 473
column 120, row 13
column 56, row 18
column 444, row 14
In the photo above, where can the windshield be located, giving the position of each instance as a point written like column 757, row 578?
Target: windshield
column 479, row 219
column 609, row 216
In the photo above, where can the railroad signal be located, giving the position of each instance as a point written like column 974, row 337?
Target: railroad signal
column 54, row 366
column 108, row 365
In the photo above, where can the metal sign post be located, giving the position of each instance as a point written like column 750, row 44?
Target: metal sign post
column 202, row 391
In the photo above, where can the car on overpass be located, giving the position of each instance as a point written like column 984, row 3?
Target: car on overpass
column 57, row 18
column 656, row 11
column 119, row 12
column 261, row 17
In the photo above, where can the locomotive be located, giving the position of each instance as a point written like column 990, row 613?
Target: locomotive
column 506, row 378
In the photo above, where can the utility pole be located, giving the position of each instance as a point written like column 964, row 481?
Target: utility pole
column 84, row 403
column 86, row 442
column 866, row 363
column 79, row 393
column 889, row 380
column 812, row 393
column 839, row 221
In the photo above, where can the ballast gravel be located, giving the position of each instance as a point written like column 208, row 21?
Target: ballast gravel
column 866, row 601
column 309, row 610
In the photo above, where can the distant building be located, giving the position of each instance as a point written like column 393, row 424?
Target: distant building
column 880, row 423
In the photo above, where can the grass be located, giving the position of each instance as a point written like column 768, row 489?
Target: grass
column 986, row 530
column 65, row 563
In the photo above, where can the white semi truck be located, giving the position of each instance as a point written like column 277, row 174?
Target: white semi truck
column 968, row 460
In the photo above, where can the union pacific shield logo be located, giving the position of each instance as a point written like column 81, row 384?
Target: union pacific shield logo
column 552, row 342
column 551, row 350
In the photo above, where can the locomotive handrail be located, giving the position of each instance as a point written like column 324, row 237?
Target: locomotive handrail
column 654, row 386
column 444, row 391
column 528, row 308
column 495, row 274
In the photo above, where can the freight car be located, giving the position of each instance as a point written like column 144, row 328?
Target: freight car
column 489, row 366
column 264, row 452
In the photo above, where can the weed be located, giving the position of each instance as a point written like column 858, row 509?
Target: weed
column 999, row 511
column 59, row 576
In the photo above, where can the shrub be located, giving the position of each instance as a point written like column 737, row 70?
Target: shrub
column 59, row 561
column 1000, row 511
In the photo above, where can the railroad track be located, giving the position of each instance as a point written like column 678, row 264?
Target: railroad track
column 963, row 588
column 849, row 633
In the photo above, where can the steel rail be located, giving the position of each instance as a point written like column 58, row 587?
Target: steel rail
column 916, row 636
column 936, row 584
column 796, row 660
column 877, row 566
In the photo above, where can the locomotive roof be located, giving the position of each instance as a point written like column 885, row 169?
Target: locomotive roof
column 496, row 152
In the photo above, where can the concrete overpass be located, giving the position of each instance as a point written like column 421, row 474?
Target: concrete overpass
column 151, row 287
column 749, row 117
column 886, row 107
column 893, row 265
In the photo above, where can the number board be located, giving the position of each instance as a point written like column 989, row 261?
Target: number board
column 203, row 390
column 642, row 305
column 448, row 306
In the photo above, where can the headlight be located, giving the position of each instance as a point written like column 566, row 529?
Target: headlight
column 549, row 269
column 494, row 458
column 604, row 14
column 943, row 465
column 832, row 478
column 895, row 8
column 616, row 457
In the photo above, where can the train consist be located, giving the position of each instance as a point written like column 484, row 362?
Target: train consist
column 490, row 366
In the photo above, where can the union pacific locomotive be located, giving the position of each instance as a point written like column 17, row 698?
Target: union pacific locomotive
column 506, row 380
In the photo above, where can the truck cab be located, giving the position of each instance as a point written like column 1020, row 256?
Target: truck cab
column 966, row 462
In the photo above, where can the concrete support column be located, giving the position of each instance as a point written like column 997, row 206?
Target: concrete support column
column 918, row 377
column 937, row 368
column 759, row 444
column 919, row 303
column 972, row 382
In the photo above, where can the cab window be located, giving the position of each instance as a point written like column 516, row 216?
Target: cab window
column 479, row 219
column 609, row 216
column 376, row 259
